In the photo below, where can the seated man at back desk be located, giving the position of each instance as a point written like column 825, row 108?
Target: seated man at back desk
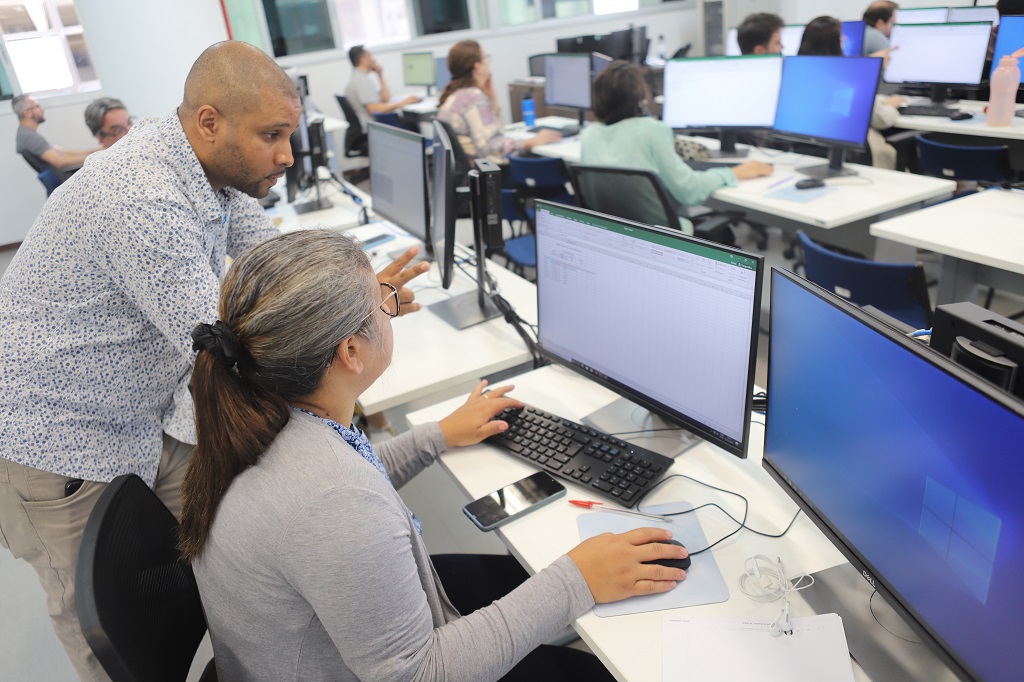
column 880, row 17
column 367, row 98
column 35, row 148
column 108, row 120
column 760, row 33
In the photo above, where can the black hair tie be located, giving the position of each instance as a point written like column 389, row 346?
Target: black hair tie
column 219, row 340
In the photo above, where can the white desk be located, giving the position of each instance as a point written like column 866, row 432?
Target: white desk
column 973, row 126
column 343, row 214
column 631, row 646
column 854, row 204
column 980, row 237
column 431, row 356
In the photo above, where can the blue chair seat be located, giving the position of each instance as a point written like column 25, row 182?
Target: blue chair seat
column 522, row 251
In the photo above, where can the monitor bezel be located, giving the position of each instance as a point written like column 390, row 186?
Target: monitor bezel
column 945, row 84
column 639, row 398
column 922, row 9
column 863, row 566
column 384, row 129
column 433, row 75
column 826, row 141
column 729, row 128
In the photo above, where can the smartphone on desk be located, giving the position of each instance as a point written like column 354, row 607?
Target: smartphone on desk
column 514, row 500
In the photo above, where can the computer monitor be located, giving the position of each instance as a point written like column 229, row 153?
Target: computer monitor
column 463, row 310
column 567, row 81
column 922, row 15
column 309, row 152
column 1009, row 38
column 442, row 227
column 853, row 38
column 442, row 75
column 398, row 179
column 961, row 14
column 732, row 42
column 418, row 68
column 938, row 54
column 827, row 101
column 665, row 320
column 729, row 93
column 598, row 63
column 908, row 463
column 577, row 44
column 791, row 36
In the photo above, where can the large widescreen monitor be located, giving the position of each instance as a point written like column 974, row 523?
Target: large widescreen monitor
column 853, row 38
column 567, row 80
column 938, row 54
column 746, row 92
column 691, row 309
column 1009, row 38
column 910, row 465
column 398, row 179
column 827, row 101
column 959, row 14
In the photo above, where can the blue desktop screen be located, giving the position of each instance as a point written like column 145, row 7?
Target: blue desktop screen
column 827, row 98
column 1009, row 38
column 918, row 471
column 853, row 38
column 441, row 73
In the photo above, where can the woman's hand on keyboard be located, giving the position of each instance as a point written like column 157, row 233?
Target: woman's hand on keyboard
column 475, row 420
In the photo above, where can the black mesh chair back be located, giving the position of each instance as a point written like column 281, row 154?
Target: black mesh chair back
column 138, row 602
column 463, row 164
column 356, row 140
column 627, row 193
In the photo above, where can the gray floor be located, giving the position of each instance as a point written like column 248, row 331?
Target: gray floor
column 30, row 651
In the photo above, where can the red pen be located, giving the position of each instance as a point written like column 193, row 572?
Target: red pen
column 590, row 504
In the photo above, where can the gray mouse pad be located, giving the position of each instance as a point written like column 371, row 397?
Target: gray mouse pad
column 704, row 583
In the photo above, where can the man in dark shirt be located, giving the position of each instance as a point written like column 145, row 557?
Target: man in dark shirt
column 36, row 149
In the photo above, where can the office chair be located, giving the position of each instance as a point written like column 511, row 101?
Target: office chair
column 138, row 602
column 982, row 164
column 356, row 141
column 390, row 119
column 463, row 164
column 897, row 289
column 50, row 179
column 640, row 195
column 539, row 178
column 520, row 251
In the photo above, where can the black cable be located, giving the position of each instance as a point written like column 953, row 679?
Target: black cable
column 740, row 524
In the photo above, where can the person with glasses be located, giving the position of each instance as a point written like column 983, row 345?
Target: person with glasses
column 309, row 564
column 35, row 148
column 469, row 104
column 108, row 120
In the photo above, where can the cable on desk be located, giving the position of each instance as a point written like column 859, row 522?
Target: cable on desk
column 741, row 524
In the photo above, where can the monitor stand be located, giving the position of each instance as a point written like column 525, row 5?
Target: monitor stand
column 466, row 310
column 881, row 641
column 624, row 416
column 833, row 169
column 727, row 147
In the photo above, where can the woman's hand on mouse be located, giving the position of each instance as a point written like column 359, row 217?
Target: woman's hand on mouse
column 751, row 169
column 475, row 420
column 613, row 565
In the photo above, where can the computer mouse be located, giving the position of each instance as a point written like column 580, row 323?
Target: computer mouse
column 960, row 116
column 672, row 563
column 809, row 183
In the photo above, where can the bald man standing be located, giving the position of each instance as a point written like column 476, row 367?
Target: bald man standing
column 97, row 306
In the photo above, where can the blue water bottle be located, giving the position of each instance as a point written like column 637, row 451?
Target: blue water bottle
column 529, row 111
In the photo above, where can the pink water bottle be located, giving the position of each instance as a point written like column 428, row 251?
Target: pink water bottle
column 1002, row 99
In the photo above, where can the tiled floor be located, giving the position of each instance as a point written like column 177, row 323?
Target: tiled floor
column 29, row 649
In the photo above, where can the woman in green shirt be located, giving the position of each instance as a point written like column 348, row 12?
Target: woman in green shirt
column 627, row 137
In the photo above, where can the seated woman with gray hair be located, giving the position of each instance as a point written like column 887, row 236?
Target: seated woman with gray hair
column 309, row 564
column 108, row 120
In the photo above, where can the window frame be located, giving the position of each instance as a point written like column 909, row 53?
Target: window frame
column 59, row 30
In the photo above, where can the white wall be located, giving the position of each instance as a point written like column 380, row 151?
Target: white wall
column 144, row 66
column 802, row 11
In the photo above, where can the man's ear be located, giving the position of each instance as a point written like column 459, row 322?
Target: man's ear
column 209, row 123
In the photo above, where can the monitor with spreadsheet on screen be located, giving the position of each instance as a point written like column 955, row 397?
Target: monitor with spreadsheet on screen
column 746, row 92
column 398, row 179
column 827, row 101
column 1009, row 38
column 908, row 463
column 938, row 54
column 667, row 321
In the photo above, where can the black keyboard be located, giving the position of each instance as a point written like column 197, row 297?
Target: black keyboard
column 928, row 110
column 566, row 131
column 707, row 165
column 609, row 467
